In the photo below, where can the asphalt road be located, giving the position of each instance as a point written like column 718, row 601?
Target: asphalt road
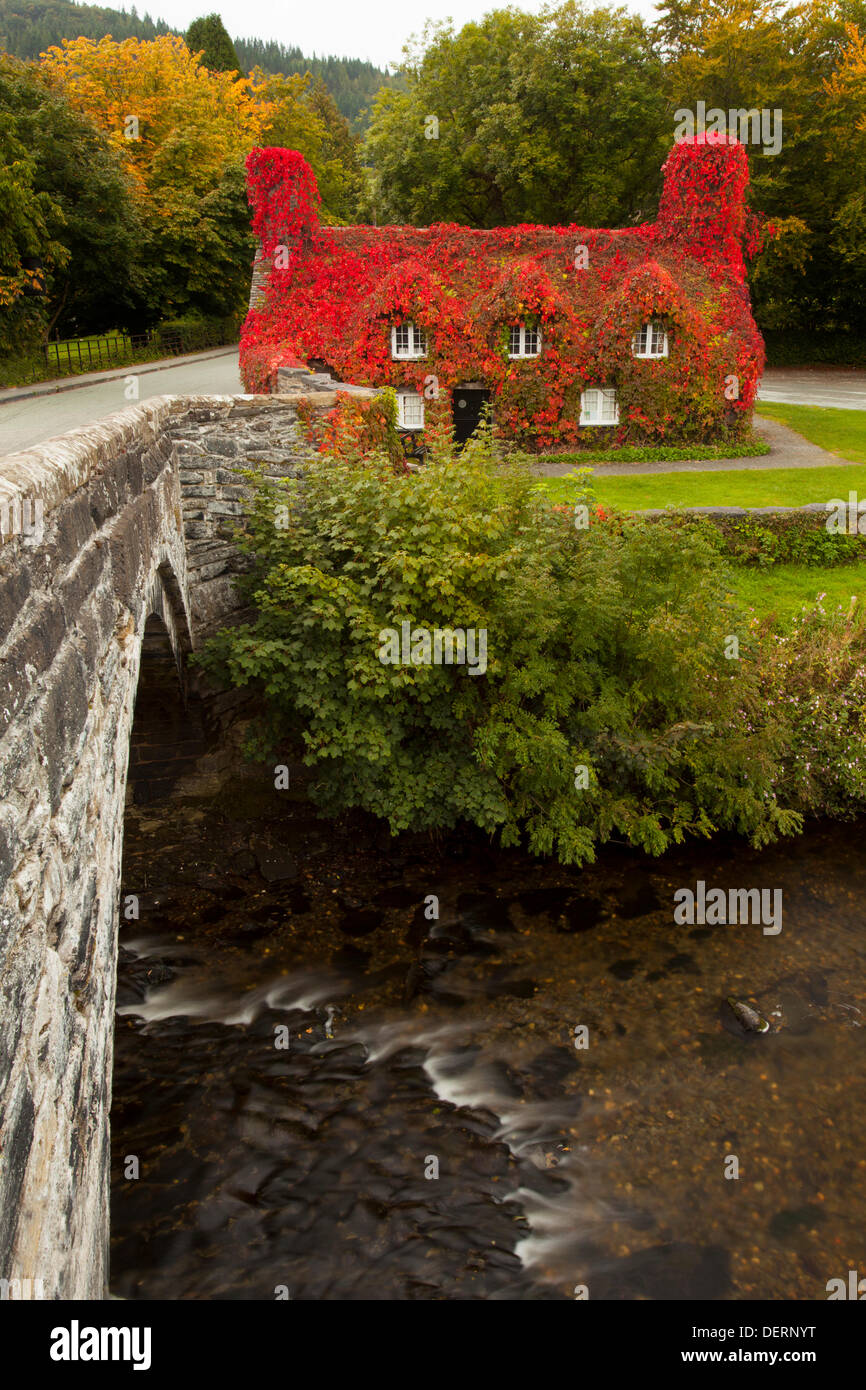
column 834, row 386
column 31, row 419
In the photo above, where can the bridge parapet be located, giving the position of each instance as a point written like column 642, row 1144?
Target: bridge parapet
column 106, row 526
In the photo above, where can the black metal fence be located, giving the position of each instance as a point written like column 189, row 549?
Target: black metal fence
column 71, row 356
column 85, row 354
column 90, row 355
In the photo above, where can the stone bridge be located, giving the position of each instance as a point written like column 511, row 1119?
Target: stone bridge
column 106, row 531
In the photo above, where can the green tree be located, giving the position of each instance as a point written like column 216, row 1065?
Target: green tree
column 210, row 37
column 549, row 118
column 201, row 249
column 79, row 214
column 743, row 54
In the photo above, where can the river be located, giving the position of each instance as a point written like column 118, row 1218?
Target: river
column 348, row 1065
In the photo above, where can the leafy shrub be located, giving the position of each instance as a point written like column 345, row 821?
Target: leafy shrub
column 192, row 334
column 789, row 538
column 605, row 652
column 814, row 679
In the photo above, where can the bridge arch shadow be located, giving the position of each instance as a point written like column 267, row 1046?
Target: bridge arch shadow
column 168, row 734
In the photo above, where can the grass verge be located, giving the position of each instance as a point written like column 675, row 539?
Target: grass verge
column 753, row 487
column 843, row 432
column 693, row 453
column 781, row 591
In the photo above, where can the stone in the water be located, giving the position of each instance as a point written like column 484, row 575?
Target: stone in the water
column 581, row 914
column 623, row 969
column 399, row 896
column 790, row 1221
column 483, row 912
column 748, row 1017
column 360, row 921
column 639, row 903
column 277, row 863
column 536, row 902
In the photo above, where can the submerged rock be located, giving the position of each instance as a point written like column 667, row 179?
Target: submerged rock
column 747, row 1017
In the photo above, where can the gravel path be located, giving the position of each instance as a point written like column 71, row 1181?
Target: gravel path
column 788, row 450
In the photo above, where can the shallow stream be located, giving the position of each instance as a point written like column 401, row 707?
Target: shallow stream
column 419, row 1045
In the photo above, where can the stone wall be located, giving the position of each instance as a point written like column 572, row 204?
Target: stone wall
column 133, row 514
column 216, row 438
column 73, row 601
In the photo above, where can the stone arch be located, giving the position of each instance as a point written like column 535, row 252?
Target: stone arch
column 167, row 734
column 164, row 600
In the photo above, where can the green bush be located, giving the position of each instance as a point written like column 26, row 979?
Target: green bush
column 605, row 651
column 815, row 672
column 787, row 349
column 792, row 538
column 195, row 334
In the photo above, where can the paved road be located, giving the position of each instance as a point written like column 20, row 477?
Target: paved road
column 33, row 418
column 29, row 420
column 834, row 386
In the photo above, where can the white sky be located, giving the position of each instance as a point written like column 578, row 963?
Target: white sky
column 372, row 29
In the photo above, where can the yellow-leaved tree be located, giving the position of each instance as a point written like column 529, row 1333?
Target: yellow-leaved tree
column 184, row 132
column 166, row 112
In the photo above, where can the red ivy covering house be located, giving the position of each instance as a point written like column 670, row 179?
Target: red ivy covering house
column 577, row 336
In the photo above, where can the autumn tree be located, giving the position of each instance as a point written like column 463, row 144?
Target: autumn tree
column 183, row 133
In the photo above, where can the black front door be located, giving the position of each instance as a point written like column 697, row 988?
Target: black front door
column 466, row 406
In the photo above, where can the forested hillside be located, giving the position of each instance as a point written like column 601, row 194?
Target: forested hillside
column 28, row 27
column 352, row 83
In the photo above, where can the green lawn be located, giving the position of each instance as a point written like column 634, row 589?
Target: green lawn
column 751, row 487
column 779, row 590
column 784, row 589
column 843, row 432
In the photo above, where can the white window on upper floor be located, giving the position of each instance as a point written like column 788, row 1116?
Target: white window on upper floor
column 599, row 406
column 524, row 340
column 410, row 410
column 408, row 340
column 650, row 341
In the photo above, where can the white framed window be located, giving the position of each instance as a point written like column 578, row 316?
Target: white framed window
column 410, row 410
column 650, row 341
column 524, row 340
column 408, row 340
column 599, row 406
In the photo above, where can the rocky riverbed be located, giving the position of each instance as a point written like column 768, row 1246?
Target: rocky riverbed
column 354, row 1067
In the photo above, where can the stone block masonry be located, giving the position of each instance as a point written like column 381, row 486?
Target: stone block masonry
column 136, row 511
